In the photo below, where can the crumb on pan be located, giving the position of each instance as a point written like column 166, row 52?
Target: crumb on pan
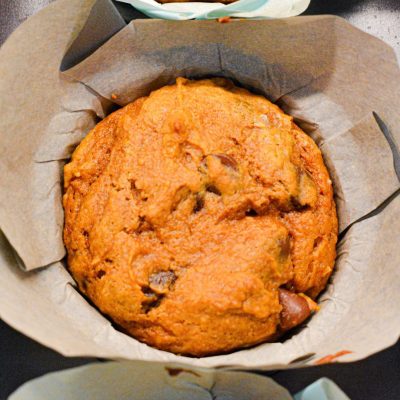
column 332, row 357
column 224, row 20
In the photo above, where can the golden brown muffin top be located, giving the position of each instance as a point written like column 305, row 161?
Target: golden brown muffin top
column 187, row 210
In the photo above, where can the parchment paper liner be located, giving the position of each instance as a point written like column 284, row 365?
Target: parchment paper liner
column 327, row 74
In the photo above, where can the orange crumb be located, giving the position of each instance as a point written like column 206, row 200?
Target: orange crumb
column 224, row 20
column 332, row 357
column 114, row 96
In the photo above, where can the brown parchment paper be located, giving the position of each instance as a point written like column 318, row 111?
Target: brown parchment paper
column 327, row 74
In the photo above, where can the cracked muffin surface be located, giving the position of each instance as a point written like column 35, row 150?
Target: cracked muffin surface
column 187, row 211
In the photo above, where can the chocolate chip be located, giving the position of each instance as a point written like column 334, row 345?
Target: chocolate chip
column 295, row 309
column 295, row 203
column 251, row 213
column 199, row 203
column 147, row 291
column 213, row 189
column 154, row 303
column 152, row 299
column 160, row 282
column 100, row 273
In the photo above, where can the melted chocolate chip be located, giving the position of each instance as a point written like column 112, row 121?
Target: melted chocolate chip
column 295, row 203
column 100, row 273
column 295, row 309
column 213, row 189
column 147, row 291
column 251, row 213
column 199, row 203
column 148, row 306
column 152, row 299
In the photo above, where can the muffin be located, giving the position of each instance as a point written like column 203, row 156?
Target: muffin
column 200, row 219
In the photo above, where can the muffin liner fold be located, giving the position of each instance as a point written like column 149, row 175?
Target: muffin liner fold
column 62, row 70
column 144, row 381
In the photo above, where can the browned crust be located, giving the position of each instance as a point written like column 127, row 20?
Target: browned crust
column 186, row 211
